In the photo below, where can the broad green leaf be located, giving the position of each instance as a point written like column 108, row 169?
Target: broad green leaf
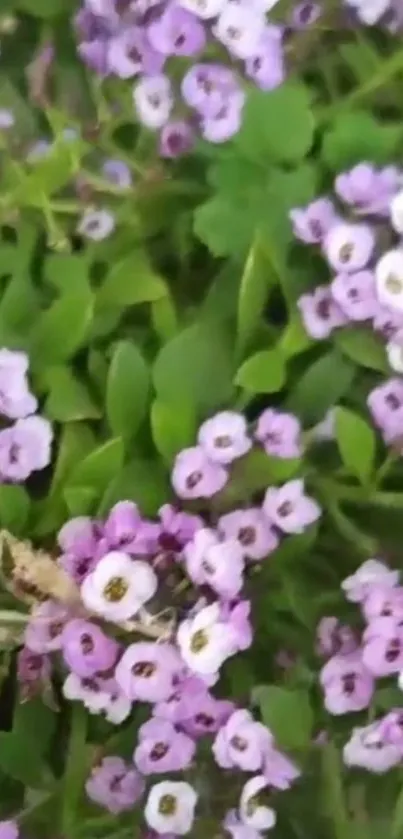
column 363, row 347
column 357, row 443
column 46, row 176
column 255, row 283
column 357, row 136
column 322, row 385
column 295, row 339
column 62, row 329
column 22, row 750
column 164, row 318
column 81, row 500
column 195, row 368
column 14, row 508
column 68, row 273
column 131, row 281
column 288, row 714
column 19, row 307
column 69, row 400
column 263, row 372
column 127, row 390
column 76, row 442
column 173, row 428
column 99, row 468
column 277, row 125
column 143, row 481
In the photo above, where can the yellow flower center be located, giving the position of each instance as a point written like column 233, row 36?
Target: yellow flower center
column 116, row 589
column 199, row 641
column 167, row 805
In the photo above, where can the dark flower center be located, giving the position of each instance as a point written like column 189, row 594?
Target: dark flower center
column 159, row 751
column 349, row 683
column 146, row 669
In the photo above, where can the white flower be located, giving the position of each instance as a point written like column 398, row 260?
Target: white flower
column 118, row 708
column 367, row 748
column 389, row 279
column 369, row 11
column 253, row 813
column 224, row 437
column 396, row 212
column 153, row 100
column 370, row 573
column 118, row 587
column 170, row 807
column 219, row 564
column 205, row 642
column 394, row 351
column 86, row 691
column 239, row 30
column 204, row 9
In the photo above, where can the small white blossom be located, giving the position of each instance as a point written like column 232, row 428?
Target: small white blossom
column 370, row 573
column 396, row 212
column 253, row 813
column 205, row 642
column 118, row 587
column 369, row 11
column 86, row 691
column 153, row 100
column 389, row 279
column 170, row 807
column 240, row 30
column 394, row 351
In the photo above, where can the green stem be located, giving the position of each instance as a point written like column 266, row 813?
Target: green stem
column 387, row 71
column 355, row 495
column 75, row 770
column 335, row 804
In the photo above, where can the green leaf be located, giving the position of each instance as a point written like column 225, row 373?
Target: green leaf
column 173, row 428
column 99, row 468
column 277, row 125
column 143, row 481
column 253, row 293
column 131, row 281
column 357, row 443
column 264, row 372
column 42, row 8
column 76, row 442
column 62, row 329
column 81, row 501
column 127, row 390
column 14, row 508
column 358, row 136
column 363, row 346
column 288, row 714
column 69, row 400
column 321, row 386
column 67, row 273
column 23, row 749
column 195, row 369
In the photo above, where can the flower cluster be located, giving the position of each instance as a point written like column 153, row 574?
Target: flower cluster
column 122, row 643
column 359, row 235
column 25, row 445
column 349, row 676
column 141, row 39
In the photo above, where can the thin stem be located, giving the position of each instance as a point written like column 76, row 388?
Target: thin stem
column 75, row 770
column 387, row 71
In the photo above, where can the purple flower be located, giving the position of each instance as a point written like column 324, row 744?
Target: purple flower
column 86, row 649
column 369, row 11
column 176, row 138
column 118, row 173
column 349, row 247
column 356, row 295
column 204, row 9
column 280, row 433
column 176, row 529
column 45, row 627
column 234, row 825
column 219, row 565
column 347, row 683
column 386, row 405
column 320, row 313
column 367, row 189
column 252, row 531
column 131, row 53
column 305, row 14
column 123, row 529
column 224, row 437
column 383, row 601
column 205, row 714
column 236, row 616
column 96, row 225
column 391, row 729
column 289, row 509
column 79, row 540
column 266, row 65
column 312, row 223
column 25, row 448
column 9, row 830
column 207, row 87
column 33, row 672
column 153, row 99
column 383, row 647
column 95, row 55
column 177, row 32
column 222, row 125
column 115, row 785
column 195, row 476
column 371, row 573
column 146, row 672
column 240, row 30
column 243, row 743
column 332, row 638
column 368, row 749
column 279, row 771
column 162, row 748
